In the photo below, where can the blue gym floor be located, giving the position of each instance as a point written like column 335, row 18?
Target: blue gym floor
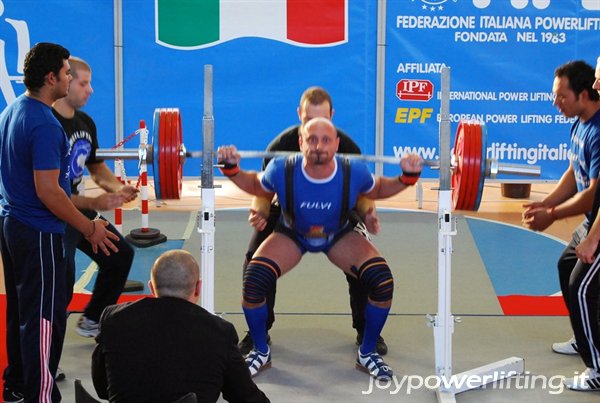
column 517, row 261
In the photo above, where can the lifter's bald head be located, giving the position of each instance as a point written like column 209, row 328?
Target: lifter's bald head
column 320, row 123
column 318, row 141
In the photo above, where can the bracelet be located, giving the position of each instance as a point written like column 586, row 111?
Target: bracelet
column 552, row 213
column 230, row 170
column 93, row 229
column 409, row 178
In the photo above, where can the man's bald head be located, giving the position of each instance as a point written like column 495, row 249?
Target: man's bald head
column 318, row 141
column 319, row 123
column 176, row 274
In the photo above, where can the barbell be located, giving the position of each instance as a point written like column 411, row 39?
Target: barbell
column 470, row 165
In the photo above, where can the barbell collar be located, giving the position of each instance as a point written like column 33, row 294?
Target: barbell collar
column 518, row 169
column 126, row 154
column 492, row 168
column 182, row 153
column 140, row 154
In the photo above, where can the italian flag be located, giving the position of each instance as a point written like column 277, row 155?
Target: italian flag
column 195, row 24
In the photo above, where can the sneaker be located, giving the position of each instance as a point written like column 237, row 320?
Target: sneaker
column 86, row 327
column 567, row 347
column 257, row 361
column 247, row 344
column 373, row 364
column 380, row 347
column 60, row 375
column 11, row 396
column 587, row 381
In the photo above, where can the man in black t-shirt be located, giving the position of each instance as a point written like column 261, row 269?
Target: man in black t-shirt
column 81, row 131
column 315, row 102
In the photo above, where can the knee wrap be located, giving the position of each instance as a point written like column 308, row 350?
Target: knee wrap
column 376, row 277
column 260, row 277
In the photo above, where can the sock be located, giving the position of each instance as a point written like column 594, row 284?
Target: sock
column 256, row 318
column 375, row 318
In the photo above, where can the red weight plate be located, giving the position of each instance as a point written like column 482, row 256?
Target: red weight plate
column 174, row 136
column 175, row 160
column 457, row 165
column 179, row 164
column 169, row 154
column 482, row 172
column 458, row 162
column 476, row 169
column 166, row 157
column 155, row 153
column 465, row 172
column 467, row 166
column 162, row 155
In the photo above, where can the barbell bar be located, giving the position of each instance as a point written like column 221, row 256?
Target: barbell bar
column 493, row 169
column 470, row 165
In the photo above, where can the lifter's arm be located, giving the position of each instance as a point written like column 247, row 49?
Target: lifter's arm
column 411, row 165
column 248, row 181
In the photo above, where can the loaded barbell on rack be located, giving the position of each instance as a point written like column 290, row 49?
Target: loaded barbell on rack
column 470, row 165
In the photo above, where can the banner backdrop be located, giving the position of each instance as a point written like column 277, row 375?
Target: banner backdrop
column 265, row 53
column 502, row 56
column 85, row 27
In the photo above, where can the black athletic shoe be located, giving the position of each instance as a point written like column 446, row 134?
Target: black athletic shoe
column 587, row 381
column 380, row 347
column 247, row 344
column 10, row 396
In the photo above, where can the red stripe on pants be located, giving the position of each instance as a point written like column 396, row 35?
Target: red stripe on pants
column 46, row 381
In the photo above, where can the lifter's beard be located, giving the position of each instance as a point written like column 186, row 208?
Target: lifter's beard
column 319, row 158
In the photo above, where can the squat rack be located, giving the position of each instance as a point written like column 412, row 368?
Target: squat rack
column 443, row 323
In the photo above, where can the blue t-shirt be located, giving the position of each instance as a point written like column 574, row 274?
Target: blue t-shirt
column 585, row 151
column 31, row 139
column 317, row 202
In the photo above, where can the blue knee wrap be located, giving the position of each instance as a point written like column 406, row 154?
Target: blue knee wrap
column 376, row 276
column 260, row 276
